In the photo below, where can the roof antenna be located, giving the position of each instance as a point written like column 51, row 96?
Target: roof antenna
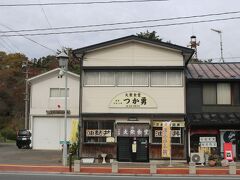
column 221, row 44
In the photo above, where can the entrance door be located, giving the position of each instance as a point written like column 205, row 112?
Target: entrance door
column 142, row 154
column 128, row 152
column 124, row 149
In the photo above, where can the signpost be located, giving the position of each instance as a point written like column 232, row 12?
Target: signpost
column 166, row 141
column 63, row 142
column 228, row 151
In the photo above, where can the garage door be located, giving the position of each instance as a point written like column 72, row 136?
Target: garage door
column 47, row 132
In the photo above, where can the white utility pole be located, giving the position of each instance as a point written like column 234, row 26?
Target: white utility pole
column 63, row 63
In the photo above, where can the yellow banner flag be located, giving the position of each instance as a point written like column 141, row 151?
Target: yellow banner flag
column 74, row 131
column 166, row 139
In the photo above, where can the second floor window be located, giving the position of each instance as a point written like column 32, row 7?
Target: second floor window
column 58, row 92
column 133, row 78
column 166, row 78
column 99, row 78
column 216, row 93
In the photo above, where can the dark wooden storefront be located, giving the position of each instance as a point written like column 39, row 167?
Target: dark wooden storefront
column 224, row 127
column 132, row 142
column 126, row 153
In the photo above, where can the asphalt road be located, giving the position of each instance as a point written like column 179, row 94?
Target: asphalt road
column 12, row 176
column 10, row 154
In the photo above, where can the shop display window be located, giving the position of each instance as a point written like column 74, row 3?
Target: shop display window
column 98, row 131
column 176, row 135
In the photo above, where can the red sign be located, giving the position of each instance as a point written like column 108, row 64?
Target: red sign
column 228, row 151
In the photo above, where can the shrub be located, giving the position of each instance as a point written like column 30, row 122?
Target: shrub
column 8, row 133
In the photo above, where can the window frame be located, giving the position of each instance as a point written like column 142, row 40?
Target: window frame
column 160, row 138
column 98, row 140
column 114, row 81
column 217, row 93
column 132, row 79
column 99, row 80
column 148, row 75
column 166, row 74
column 59, row 92
column 117, row 77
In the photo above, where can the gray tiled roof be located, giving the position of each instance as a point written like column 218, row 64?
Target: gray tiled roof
column 214, row 119
column 213, row 71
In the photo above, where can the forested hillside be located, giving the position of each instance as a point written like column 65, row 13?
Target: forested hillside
column 12, row 87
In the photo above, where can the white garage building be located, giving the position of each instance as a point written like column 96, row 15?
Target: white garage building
column 47, row 108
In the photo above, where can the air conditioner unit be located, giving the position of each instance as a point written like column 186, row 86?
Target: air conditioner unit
column 197, row 158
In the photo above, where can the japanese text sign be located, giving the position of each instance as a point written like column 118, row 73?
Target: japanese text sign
column 98, row 132
column 133, row 100
column 166, row 139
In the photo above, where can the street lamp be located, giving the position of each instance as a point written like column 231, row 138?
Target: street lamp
column 63, row 64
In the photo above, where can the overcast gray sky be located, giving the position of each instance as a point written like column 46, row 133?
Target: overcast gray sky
column 32, row 17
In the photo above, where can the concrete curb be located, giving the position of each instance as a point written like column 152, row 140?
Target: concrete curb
column 129, row 171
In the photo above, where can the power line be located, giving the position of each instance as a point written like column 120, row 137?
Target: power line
column 22, row 35
column 123, row 23
column 235, row 57
column 3, row 46
column 49, row 24
column 12, row 44
column 9, row 44
column 78, row 3
column 120, row 28
column 6, row 46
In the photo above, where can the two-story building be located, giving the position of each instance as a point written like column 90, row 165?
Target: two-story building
column 213, row 107
column 130, row 86
column 47, row 105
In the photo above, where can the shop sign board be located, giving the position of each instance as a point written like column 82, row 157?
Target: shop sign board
column 132, row 130
column 229, row 136
column 228, row 151
column 166, row 140
column 98, row 132
column 208, row 142
column 110, row 139
column 173, row 124
column 174, row 133
column 51, row 112
column 207, row 139
column 132, row 100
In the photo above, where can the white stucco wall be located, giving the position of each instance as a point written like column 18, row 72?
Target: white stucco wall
column 134, row 54
column 168, row 99
column 40, row 99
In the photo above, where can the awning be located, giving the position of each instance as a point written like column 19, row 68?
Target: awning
column 204, row 131
column 213, row 119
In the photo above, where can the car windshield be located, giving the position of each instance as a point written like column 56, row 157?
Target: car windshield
column 23, row 133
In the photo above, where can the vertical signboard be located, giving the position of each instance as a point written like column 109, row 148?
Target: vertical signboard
column 166, row 140
column 228, row 151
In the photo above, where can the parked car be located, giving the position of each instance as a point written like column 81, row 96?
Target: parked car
column 24, row 139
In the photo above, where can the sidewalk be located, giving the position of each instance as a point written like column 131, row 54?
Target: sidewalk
column 124, row 168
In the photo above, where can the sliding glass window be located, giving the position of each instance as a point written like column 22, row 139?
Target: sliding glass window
column 133, row 78
column 166, row 78
column 216, row 93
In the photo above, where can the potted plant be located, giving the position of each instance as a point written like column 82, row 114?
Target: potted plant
column 212, row 160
